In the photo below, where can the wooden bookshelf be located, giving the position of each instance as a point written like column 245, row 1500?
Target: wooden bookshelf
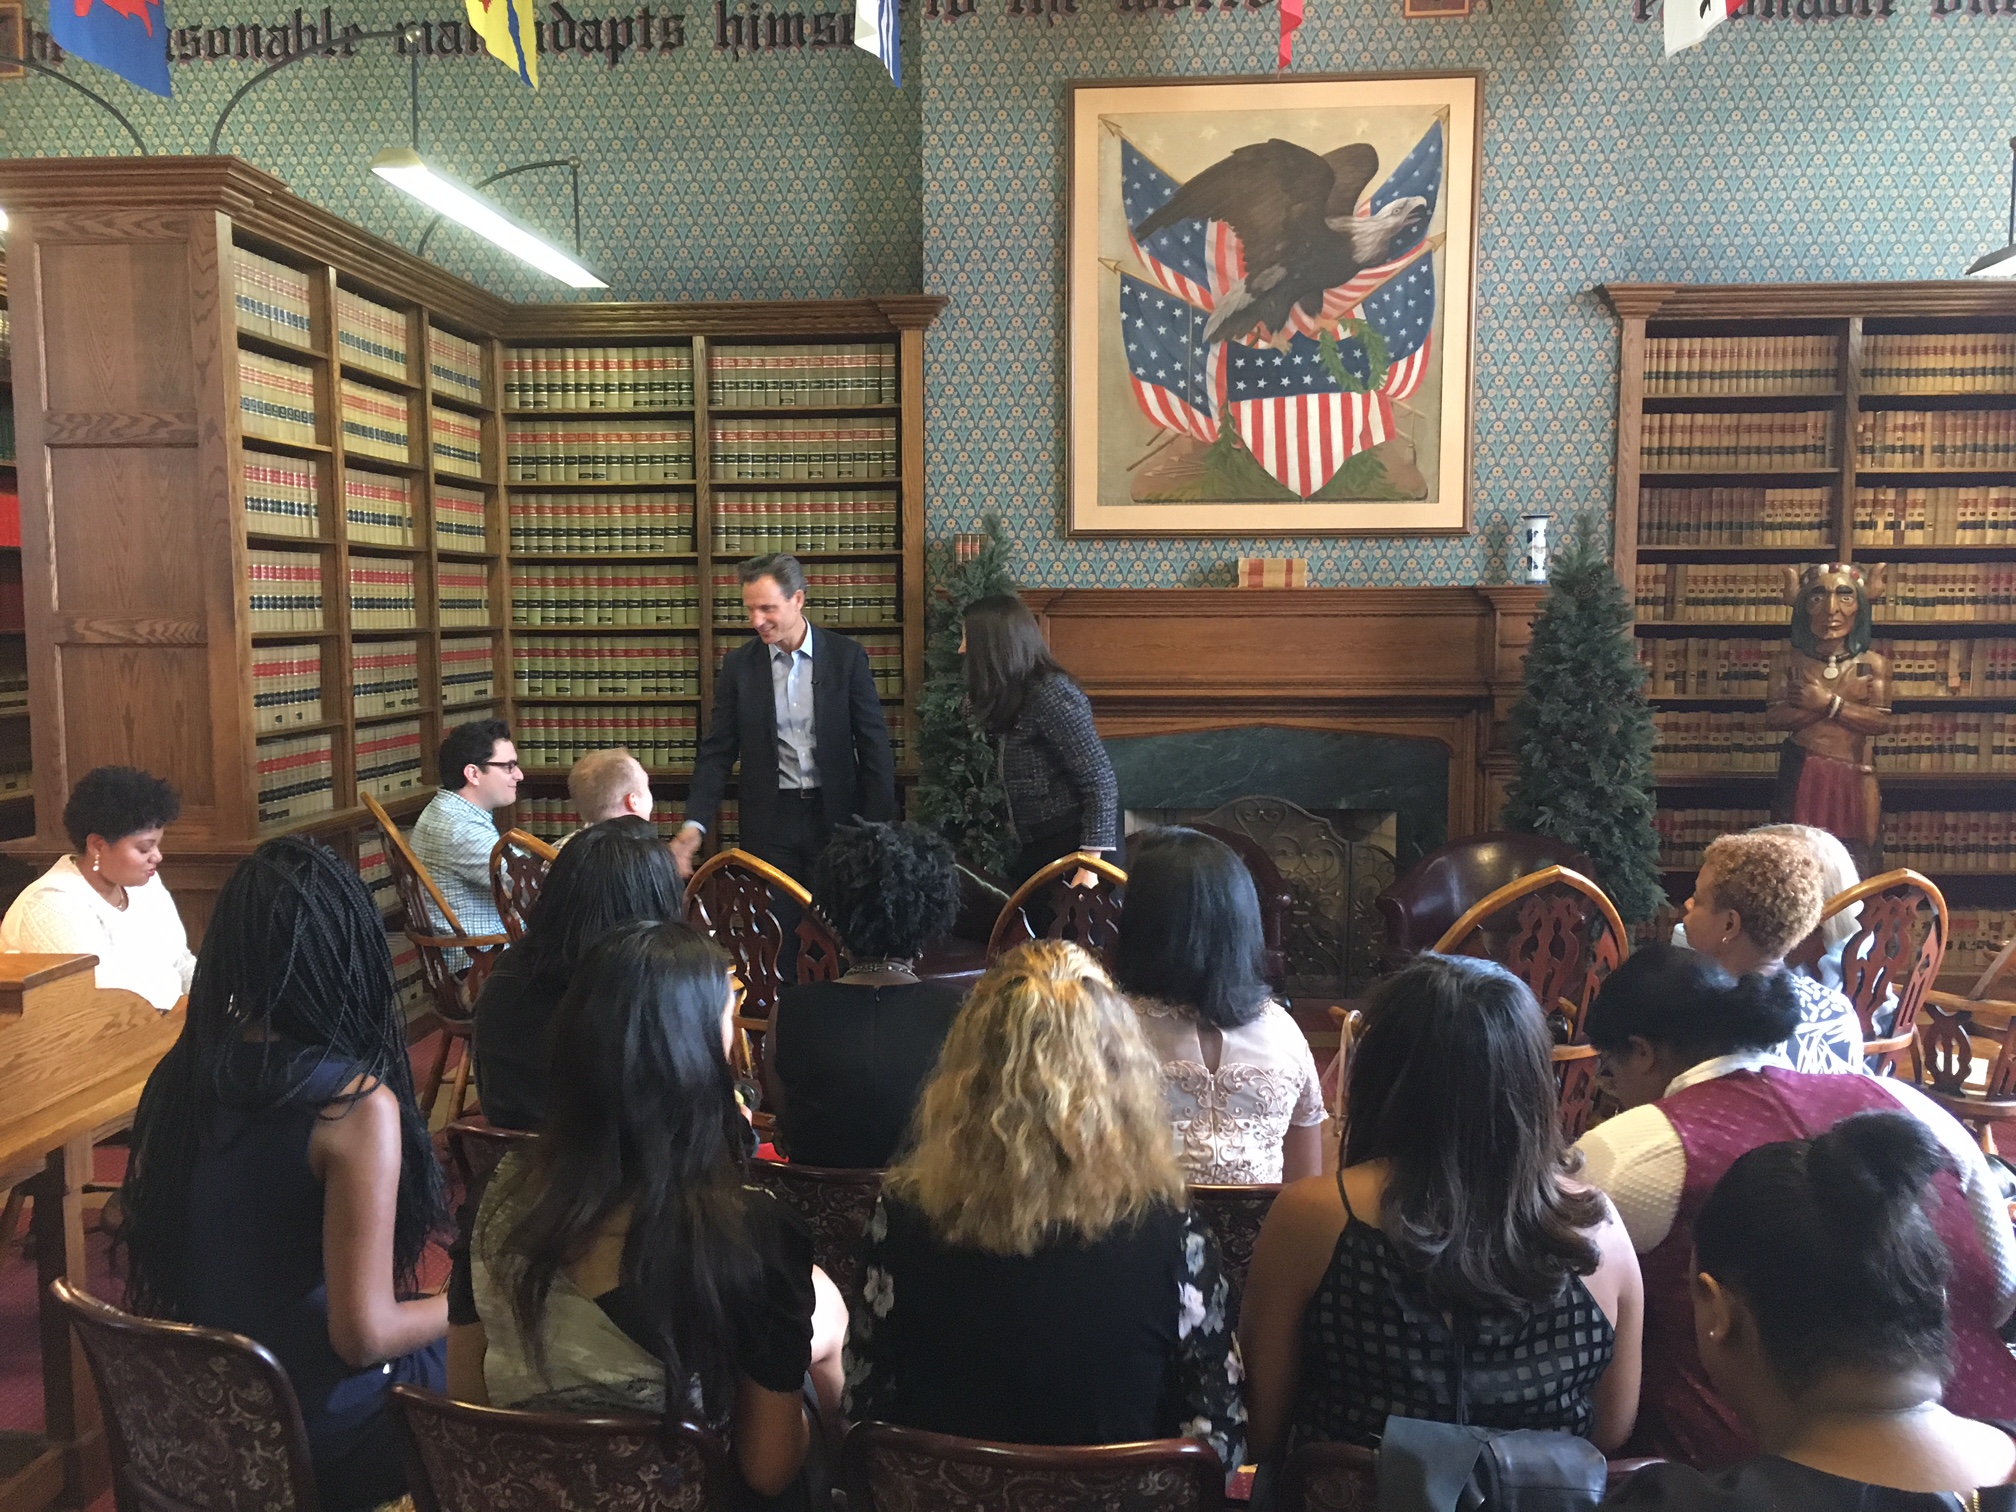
column 1912, row 389
column 17, row 812
column 145, row 624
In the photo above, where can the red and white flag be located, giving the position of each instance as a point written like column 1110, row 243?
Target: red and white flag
column 1688, row 21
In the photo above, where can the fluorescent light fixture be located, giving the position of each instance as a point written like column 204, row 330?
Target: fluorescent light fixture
column 403, row 168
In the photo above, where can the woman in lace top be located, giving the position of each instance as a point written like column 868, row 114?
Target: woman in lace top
column 621, row 1263
column 1236, row 1069
column 1455, row 1240
column 1032, row 1273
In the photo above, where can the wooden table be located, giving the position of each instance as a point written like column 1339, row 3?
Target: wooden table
column 73, row 1060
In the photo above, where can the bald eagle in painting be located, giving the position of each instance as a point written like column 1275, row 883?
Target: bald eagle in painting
column 1296, row 217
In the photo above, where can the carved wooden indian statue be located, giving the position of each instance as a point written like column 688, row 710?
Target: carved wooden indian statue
column 1833, row 693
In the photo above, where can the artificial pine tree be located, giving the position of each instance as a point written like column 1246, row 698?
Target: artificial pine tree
column 959, row 792
column 1583, row 733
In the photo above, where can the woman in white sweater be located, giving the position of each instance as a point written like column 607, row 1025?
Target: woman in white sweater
column 106, row 899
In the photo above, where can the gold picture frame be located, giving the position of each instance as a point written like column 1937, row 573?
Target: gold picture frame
column 1321, row 386
column 13, row 38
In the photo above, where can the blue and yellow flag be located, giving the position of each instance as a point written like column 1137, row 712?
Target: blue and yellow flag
column 506, row 29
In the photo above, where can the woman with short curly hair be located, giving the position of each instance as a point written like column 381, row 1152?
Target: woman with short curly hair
column 844, row 1060
column 1756, row 896
column 1032, row 1272
column 106, row 898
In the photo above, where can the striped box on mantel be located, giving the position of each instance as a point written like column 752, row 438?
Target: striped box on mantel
column 1273, row 572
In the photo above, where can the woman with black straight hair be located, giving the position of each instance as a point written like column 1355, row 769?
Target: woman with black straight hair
column 282, row 1183
column 621, row 1263
column 1062, row 795
column 608, row 874
column 1455, row 1225
column 1236, row 1069
column 1821, row 1301
column 1698, row 1059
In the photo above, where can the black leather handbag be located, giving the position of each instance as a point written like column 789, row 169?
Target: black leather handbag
column 1426, row 1466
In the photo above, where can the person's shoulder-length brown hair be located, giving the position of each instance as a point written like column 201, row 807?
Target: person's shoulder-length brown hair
column 1005, row 656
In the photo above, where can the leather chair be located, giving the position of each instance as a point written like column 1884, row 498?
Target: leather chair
column 1419, row 908
column 889, row 1469
column 835, row 1204
column 1234, row 1215
column 196, row 1419
column 464, row 1458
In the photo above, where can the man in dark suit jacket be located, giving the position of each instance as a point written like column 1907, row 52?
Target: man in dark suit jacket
column 797, row 704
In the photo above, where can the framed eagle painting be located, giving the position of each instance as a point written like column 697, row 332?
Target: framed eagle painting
column 1271, row 286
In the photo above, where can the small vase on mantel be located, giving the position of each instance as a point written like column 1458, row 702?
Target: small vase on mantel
column 1536, row 547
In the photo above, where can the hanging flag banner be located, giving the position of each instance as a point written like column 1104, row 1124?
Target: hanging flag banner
column 506, row 27
column 128, row 37
column 1688, row 21
column 876, row 31
column 1291, row 18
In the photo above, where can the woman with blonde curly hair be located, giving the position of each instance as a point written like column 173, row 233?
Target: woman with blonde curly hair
column 1756, row 896
column 1033, row 1274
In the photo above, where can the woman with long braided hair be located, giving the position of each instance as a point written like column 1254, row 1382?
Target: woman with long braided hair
column 282, row 1184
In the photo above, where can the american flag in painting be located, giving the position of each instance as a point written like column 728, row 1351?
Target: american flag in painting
column 1286, row 408
column 1178, row 376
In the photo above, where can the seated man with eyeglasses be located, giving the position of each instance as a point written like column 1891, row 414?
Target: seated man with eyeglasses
column 457, row 830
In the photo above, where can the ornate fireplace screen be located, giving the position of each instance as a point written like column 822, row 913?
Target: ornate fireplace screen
column 1334, row 935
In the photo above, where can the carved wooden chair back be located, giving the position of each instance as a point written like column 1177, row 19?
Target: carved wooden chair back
column 1329, row 1478
column 1557, row 931
column 464, row 1458
column 1896, row 951
column 890, row 1469
column 1087, row 916
column 835, row 1204
column 196, row 1419
column 453, row 992
column 1955, row 1031
column 728, row 900
column 1234, row 1215
column 476, row 1148
column 518, row 866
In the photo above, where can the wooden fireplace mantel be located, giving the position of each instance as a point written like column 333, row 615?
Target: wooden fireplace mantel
column 1440, row 664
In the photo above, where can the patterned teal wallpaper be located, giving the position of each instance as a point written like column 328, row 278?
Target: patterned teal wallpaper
column 1779, row 149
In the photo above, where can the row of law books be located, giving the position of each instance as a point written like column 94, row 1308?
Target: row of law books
column 1773, row 441
column 1744, row 742
column 1950, row 591
column 16, row 782
column 284, row 590
column 376, row 423
column 271, row 299
column 803, row 450
column 462, row 594
column 748, row 523
column 384, row 678
column 377, row 507
column 1976, row 840
column 802, row 377
column 613, row 596
column 409, row 982
column 1944, row 362
column 1741, row 365
column 549, row 736
column 1680, row 666
column 884, row 652
column 370, row 335
column 468, row 671
column 455, row 363
column 1979, row 515
column 628, row 524
column 1954, row 439
column 598, row 451
column 389, row 760
column 845, row 593
column 1680, row 591
column 458, row 442
column 374, row 865
column 13, row 690
column 598, row 378
column 286, row 686
column 280, row 494
column 1977, row 937
column 276, row 399
column 460, row 517
column 1685, row 834
column 593, row 666
column 553, row 818
column 383, row 594
column 295, row 777
column 1733, row 516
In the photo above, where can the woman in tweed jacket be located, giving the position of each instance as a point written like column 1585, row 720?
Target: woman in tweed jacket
column 1062, row 796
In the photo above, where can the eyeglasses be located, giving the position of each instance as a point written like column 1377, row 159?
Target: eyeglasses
column 502, row 766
